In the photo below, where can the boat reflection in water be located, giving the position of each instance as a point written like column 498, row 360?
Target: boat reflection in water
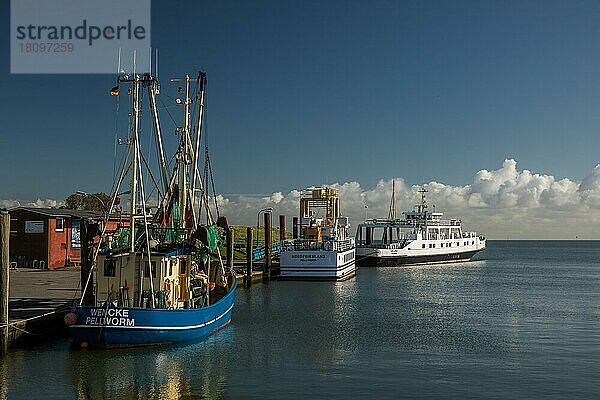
column 172, row 372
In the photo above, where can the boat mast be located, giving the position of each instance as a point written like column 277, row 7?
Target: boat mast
column 134, row 159
column 185, row 156
column 183, row 153
column 422, row 208
column 423, row 205
column 392, row 213
column 200, row 98
column 152, row 91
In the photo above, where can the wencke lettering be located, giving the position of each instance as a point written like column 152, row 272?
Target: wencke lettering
column 109, row 317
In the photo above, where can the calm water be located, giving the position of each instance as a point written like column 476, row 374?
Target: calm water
column 524, row 322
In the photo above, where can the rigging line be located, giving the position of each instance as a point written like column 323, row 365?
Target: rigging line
column 193, row 114
column 151, row 175
column 167, row 110
column 208, row 162
column 212, row 181
column 205, row 185
column 146, row 231
column 116, row 133
column 116, row 182
column 151, row 144
column 193, row 130
column 115, row 186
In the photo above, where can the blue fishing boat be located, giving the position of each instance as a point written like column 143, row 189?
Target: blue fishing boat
column 125, row 327
column 157, row 277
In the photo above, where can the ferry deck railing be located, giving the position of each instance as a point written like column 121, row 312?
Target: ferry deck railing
column 327, row 245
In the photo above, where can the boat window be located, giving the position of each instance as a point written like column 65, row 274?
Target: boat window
column 423, row 245
column 110, row 267
column 170, row 264
column 348, row 257
column 182, row 266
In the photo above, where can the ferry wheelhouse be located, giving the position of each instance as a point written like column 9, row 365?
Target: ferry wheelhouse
column 324, row 249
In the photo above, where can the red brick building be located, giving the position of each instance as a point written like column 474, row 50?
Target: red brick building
column 47, row 237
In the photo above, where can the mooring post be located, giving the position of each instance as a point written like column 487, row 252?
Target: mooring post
column 295, row 227
column 4, row 283
column 248, row 277
column 229, row 241
column 281, row 229
column 87, row 233
column 268, row 246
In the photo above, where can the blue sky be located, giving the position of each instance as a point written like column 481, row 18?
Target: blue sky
column 311, row 92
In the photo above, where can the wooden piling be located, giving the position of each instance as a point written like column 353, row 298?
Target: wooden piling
column 281, row 228
column 295, row 227
column 229, row 242
column 268, row 246
column 248, row 277
column 4, row 276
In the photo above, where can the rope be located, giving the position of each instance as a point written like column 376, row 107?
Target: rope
column 167, row 109
column 116, row 133
column 151, row 176
column 33, row 318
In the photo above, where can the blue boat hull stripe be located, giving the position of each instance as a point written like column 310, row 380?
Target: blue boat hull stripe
column 159, row 328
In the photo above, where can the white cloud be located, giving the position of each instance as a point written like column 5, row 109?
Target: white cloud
column 501, row 203
column 38, row 203
column 590, row 188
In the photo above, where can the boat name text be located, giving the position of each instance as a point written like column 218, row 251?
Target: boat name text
column 110, row 316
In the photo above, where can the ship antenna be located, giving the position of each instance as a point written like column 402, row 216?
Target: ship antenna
column 156, row 63
column 119, row 62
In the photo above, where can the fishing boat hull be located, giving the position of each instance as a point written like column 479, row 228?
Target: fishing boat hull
column 108, row 327
column 317, row 265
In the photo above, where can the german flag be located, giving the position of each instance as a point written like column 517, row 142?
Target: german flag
column 114, row 91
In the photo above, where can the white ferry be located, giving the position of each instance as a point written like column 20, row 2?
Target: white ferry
column 421, row 237
column 324, row 249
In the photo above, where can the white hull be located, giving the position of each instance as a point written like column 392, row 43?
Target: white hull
column 421, row 252
column 317, row 264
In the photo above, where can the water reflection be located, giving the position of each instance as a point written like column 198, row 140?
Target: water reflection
column 500, row 328
column 196, row 370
